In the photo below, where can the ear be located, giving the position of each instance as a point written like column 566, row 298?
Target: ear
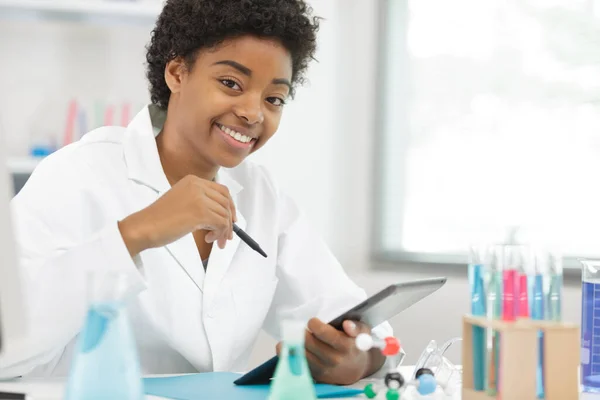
column 174, row 74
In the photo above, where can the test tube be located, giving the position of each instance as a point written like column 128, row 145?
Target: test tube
column 541, row 280
column 555, row 287
column 493, row 290
column 513, row 270
column 477, row 270
column 525, row 280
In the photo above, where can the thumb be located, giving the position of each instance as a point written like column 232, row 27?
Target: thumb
column 351, row 328
column 278, row 348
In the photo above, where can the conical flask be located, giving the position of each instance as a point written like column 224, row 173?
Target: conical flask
column 106, row 363
column 292, row 380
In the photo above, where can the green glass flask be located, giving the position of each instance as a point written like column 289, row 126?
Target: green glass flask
column 292, row 380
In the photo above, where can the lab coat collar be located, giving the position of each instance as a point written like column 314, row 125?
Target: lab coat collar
column 141, row 153
column 144, row 167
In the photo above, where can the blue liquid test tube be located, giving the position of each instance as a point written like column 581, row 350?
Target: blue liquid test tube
column 478, row 301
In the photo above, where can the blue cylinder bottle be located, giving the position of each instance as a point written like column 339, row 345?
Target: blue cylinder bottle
column 590, row 326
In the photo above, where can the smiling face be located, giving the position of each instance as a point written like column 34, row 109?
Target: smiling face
column 229, row 103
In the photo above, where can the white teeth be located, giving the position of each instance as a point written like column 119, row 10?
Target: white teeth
column 236, row 135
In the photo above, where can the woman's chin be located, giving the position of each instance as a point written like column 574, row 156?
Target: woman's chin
column 230, row 161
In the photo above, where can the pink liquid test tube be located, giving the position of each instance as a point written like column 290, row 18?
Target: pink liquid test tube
column 523, row 302
column 509, row 294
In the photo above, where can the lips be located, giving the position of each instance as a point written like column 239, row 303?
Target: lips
column 234, row 138
column 236, row 135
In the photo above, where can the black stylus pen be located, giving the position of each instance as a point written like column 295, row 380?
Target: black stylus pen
column 13, row 396
column 248, row 240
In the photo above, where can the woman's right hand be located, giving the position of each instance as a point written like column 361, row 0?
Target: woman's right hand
column 191, row 204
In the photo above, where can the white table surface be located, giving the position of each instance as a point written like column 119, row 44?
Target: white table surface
column 53, row 388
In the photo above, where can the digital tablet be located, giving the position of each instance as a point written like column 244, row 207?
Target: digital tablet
column 373, row 311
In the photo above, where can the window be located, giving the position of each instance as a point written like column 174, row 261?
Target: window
column 490, row 117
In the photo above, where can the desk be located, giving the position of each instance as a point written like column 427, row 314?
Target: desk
column 53, row 388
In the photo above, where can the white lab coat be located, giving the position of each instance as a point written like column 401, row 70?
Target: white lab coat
column 184, row 319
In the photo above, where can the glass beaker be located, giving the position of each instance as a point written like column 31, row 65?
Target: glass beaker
column 447, row 375
column 292, row 379
column 590, row 331
column 106, row 364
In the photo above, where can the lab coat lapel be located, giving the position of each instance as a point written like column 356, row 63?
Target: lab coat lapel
column 220, row 259
column 186, row 254
column 144, row 168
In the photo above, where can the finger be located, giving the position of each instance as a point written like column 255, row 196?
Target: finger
column 353, row 328
column 211, row 237
column 227, row 204
column 328, row 334
column 316, row 366
column 230, row 205
column 224, row 193
column 219, row 223
column 278, row 348
column 224, row 190
column 233, row 210
column 220, row 199
column 324, row 352
column 230, row 233
column 215, row 235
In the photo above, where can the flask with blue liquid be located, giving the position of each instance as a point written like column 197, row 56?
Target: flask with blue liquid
column 106, row 364
column 292, row 379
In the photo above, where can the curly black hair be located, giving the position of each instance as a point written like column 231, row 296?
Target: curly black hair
column 186, row 26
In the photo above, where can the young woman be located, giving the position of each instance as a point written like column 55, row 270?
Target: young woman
column 157, row 201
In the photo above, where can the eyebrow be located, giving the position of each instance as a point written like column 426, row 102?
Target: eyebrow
column 244, row 70
column 248, row 72
column 283, row 81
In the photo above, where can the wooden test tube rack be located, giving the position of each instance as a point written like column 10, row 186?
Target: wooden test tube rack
column 519, row 357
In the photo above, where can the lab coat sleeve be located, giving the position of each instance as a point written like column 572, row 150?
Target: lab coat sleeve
column 57, row 249
column 312, row 283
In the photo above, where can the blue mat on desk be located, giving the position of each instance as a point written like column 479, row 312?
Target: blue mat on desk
column 219, row 385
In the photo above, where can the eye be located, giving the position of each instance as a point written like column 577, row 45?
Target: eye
column 230, row 83
column 276, row 101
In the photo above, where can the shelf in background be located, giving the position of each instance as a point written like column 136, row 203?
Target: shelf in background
column 22, row 165
column 143, row 11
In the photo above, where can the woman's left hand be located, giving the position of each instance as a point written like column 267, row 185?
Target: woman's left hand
column 333, row 356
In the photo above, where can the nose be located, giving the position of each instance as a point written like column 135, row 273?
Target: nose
column 250, row 110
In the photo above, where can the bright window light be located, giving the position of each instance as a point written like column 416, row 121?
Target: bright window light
column 491, row 120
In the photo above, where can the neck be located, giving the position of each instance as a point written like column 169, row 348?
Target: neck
column 178, row 158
